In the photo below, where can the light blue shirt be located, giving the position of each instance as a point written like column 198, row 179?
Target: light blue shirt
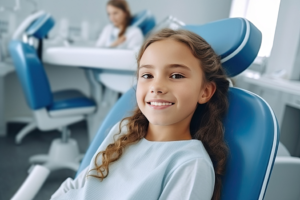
column 148, row 171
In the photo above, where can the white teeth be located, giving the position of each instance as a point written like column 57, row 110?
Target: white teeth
column 160, row 104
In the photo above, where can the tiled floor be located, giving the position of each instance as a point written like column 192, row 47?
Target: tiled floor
column 14, row 159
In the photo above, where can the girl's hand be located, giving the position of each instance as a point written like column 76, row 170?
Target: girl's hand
column 118, row 41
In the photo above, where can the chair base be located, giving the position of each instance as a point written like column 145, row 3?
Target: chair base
column 25, row 131
column 62, row 155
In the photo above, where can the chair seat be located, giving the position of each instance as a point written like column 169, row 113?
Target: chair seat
column 70, row 102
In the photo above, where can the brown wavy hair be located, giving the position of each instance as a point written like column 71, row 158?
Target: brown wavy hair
column 123, row 5
column 206, row 124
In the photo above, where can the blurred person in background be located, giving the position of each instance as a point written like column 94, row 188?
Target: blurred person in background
column 119, row 34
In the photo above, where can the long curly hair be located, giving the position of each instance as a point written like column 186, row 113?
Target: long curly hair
column 206, row 124
column 123, row 5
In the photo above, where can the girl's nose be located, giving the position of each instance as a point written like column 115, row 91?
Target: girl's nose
column 158, row 90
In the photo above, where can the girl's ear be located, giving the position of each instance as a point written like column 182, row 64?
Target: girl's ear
column 207, row 92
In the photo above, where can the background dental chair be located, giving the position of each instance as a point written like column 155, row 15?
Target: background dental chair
column 51, row 110
column 285, row 179
column 32, row 31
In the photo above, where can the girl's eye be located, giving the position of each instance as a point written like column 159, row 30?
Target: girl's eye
column 177, row 76
column 147, row 76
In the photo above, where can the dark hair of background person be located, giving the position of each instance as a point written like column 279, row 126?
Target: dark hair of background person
column 123, row 5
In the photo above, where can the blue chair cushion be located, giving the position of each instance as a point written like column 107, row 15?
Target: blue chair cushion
column 68, row 99
column 41, row 26
column 235, row 40
column 144, row 20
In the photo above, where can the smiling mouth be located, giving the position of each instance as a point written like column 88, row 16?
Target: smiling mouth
column 153, row 103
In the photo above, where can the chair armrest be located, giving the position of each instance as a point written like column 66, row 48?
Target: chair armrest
column 32, row 184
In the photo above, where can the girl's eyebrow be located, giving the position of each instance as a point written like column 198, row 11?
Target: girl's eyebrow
column 179, row 66
column 146, row 66
column 169, row 66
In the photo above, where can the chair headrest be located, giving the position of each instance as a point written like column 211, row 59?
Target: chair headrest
column 41, row 26
column 144, row 20
column 235, row 40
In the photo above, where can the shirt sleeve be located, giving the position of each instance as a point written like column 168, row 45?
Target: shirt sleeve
column 193, row 180
column 70, row 184
column 135, row 39
column 104, row 36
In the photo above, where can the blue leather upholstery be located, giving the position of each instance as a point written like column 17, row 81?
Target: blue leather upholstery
column 252, row 134
column 31, row 74
column 144, row 20
column 235, row 40
column 67, row 99
column 40, row 27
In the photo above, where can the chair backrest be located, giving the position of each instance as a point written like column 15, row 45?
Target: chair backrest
column 251, row 129
column 31, row 74
column 236, row 40
column 29, row 68
column 144, row 20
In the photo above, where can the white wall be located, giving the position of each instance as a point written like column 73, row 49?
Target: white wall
column 285, row 53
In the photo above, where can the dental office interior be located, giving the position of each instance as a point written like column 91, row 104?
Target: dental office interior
column 99, row 77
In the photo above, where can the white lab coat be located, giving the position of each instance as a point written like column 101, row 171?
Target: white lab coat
column 134, row 38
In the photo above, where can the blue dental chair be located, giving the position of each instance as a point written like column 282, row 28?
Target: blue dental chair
column 251, row 128
column 35, row 28
column 51, row 110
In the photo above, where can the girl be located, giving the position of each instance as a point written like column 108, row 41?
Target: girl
column 119, row 34
column 172, row 147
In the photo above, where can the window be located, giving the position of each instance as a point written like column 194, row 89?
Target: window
column 263, row 14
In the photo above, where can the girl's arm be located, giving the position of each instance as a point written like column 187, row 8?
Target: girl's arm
column 193, row 180
column 70, row 184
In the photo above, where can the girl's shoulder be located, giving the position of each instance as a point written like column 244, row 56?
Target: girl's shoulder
column 108, row 27
column 191, row 150
column 133, row 30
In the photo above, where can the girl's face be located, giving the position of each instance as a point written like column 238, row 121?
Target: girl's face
column 116, row 15
column 171, row 83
